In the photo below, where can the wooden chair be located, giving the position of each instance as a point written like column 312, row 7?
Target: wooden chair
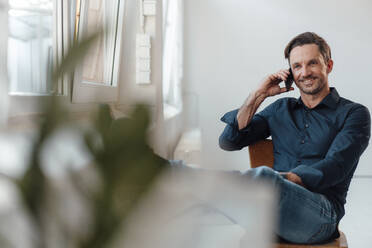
column 261, row 153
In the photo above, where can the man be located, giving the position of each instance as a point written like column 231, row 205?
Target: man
column 317, row 140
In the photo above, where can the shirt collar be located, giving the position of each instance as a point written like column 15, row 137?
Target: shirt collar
column 331, row 100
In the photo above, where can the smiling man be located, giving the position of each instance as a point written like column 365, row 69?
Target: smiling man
column 318, row 140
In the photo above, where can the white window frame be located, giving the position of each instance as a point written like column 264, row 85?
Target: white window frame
column 64, row 38
column 3, row 62
column 84, row 91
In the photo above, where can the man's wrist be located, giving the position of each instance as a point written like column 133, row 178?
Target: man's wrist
column 249, row 108
column 255, row 99
column 260, row 94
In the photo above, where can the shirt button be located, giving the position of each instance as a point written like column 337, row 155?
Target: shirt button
column 306, row 125
column 302, row 141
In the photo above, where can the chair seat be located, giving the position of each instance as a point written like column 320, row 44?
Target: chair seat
column 337, row 243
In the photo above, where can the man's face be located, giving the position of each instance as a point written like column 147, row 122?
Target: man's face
column 310, row 71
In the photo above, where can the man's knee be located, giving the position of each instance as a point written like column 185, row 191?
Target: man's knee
column 261, row 172
column 264, row 172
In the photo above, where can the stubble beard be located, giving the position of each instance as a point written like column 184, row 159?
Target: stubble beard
column 320, row 84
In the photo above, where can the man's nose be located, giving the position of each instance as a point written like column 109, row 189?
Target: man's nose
column 305, row 71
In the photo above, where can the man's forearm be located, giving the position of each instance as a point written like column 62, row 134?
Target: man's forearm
column 249, row 108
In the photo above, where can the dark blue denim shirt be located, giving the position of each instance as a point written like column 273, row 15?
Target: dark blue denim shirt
column 322, row 145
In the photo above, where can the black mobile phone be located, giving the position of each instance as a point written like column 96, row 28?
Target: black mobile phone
column 289, row 81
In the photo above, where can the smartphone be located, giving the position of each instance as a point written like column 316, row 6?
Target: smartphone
column 289, row 81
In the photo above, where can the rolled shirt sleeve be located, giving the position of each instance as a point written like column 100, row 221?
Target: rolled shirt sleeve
column 234, row 139
column 343, row 154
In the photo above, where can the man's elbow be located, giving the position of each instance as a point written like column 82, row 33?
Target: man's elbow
column 227, row 145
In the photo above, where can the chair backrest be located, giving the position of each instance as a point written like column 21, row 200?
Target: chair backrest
column 261, row 153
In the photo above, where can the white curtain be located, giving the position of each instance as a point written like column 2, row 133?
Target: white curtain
column 172, row 52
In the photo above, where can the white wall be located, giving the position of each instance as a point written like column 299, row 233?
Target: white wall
column 129, row 91
column 231, row 45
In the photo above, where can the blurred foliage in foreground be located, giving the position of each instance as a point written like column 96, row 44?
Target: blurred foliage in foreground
column 124, row 166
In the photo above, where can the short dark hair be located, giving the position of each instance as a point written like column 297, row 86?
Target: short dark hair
column 309, row 38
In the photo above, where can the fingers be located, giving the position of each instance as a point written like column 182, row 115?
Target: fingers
column 284, row 89
column 279, row 76
column 270, row 84
column 284, row 74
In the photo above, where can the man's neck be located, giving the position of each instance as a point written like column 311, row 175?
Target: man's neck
column 312, row 101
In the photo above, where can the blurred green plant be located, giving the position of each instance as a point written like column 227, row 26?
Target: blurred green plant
column 123, row 161
column 127, row 167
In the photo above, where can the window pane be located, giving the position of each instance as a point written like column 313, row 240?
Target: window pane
column 99, row 14
column 30, row 46
column 93, row 65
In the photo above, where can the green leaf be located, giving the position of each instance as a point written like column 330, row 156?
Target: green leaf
column 75, row 55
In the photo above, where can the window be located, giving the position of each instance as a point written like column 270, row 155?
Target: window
column 96, row 79
column 40, row 29
column 30, row 46
column 40, row 33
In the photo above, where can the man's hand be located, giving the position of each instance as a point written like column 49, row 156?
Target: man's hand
column 270, row 84
column 290, row 176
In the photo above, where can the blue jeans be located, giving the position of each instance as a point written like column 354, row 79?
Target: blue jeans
column 305, row 217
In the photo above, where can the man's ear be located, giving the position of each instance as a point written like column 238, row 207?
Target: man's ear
column 329, row 65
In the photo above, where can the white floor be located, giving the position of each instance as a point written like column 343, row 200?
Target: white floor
column 357, row 222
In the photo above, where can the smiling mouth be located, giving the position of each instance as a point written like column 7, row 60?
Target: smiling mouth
column 308, row 82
